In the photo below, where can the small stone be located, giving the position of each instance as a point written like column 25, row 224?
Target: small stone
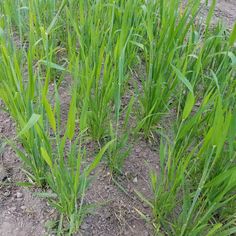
column 84, row 226
column 135, row 180
column 107, row 187
column 7, row 193
column 23, row 208
column 89, row 220
column 19, row 195
column 107, row 215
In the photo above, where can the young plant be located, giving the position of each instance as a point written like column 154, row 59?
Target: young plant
column 168, row 30
column 194, row 192
column 69, row 179
column 19, row 98
column 100, row 63
column 119, row 150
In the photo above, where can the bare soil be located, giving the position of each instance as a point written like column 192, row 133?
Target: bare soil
column 24, row 214
column 225, row 11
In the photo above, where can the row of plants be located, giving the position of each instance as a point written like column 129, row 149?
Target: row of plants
column 130, row 63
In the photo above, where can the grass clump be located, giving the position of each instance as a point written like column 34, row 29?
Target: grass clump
column 184, row 68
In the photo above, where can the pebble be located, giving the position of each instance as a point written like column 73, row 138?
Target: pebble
column 23, row 207
column 107, row 187
column 84, row 226
column 107, row 215
column 135, row 180
column 19, row 195
column 42, row 222
column 89, row 220
column 7, row 193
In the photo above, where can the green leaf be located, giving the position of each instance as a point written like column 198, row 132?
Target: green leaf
column 228, row 232
column 214, row 229
column 77, row 174
column 233, row 59
column 24, row 184
column 190, row 101
column 232, row 37
column 50, row 114
column 2, row 33
column 128, row 112
column 140, row 45
column 98, row 158
column 45, row 195
column 54, row 20
column 52, row 65
column 32, row 121
column 222, row 177
column 145, row 200
column 46, row 157
column 183, row 79
column 71, row 117
column 210, row 13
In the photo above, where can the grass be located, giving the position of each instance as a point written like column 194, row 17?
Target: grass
column 185, row 68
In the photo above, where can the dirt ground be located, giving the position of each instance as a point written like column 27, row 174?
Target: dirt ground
column 24, row 214
column 225, row 10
